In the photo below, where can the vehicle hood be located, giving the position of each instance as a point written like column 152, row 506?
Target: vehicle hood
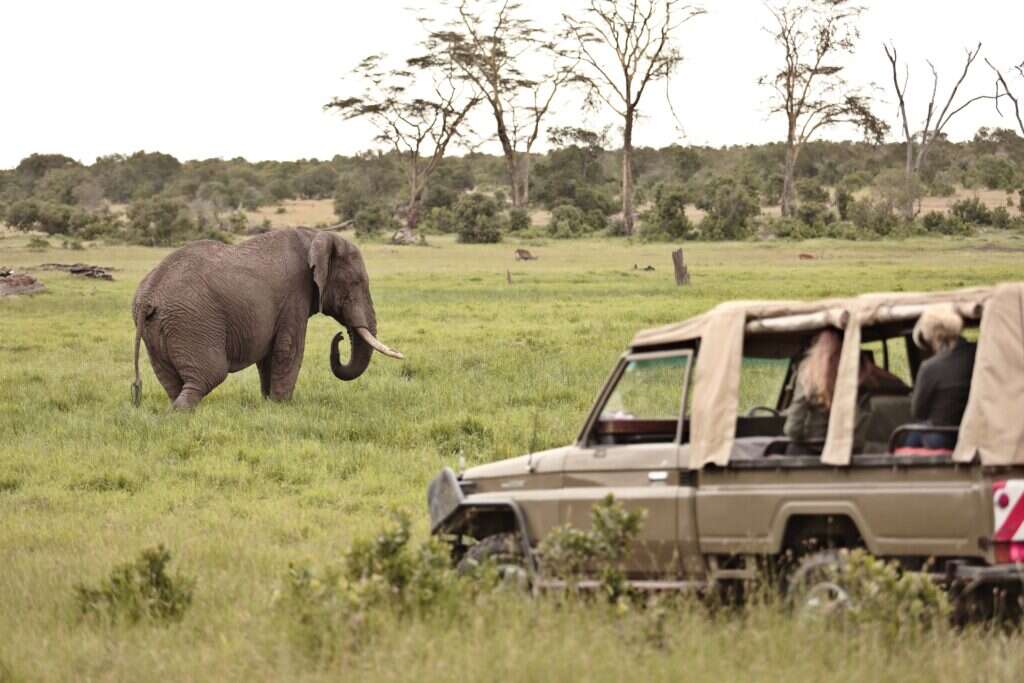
column 543, row 461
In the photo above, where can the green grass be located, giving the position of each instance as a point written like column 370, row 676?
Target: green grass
column 242, row 487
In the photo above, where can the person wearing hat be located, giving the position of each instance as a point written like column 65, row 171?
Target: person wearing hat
column 944, row 380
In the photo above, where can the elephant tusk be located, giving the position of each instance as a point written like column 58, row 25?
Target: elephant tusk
column 377, row 344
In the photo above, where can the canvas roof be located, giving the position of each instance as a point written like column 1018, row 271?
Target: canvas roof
column 989, row 428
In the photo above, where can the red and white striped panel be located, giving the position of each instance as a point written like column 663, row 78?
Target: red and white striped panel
column 1008, row 505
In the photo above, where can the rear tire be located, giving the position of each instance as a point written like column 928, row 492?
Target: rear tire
column 815, row 589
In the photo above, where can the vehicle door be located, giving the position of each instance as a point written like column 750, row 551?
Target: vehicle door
column 631, row 449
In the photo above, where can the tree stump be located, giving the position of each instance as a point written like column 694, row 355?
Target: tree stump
column 682, row 273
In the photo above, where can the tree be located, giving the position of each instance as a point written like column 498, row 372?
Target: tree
column 622, row 47
column 489, row 43
column 810, row 90
column 419, row 126
column 933, row 125
column 1003, row 87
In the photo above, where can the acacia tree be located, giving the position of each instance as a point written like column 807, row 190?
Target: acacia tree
column 623, row 46
column 417, row 120
column 810, row 90
column 934, row 121
column 1003, row 88
column 490, row 44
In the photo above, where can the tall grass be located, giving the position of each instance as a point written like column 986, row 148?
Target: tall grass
column 240, row 488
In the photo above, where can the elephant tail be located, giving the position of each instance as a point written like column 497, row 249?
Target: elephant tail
column 140, row 321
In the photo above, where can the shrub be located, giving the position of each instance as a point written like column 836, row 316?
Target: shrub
column 475, row 219
column 843, row 199
column 901, row 604
column 160, row 222
column 793, row 229
column 1000, row 218
column 667, row 220
column 730, row 208
column 815, row 215
column 810, row 190
column 38, row 243
column 370, row 221
column 571, row 554
column 873, row 217
column 518, row 219
column 944, row 224
column 972, row 211
column 139, row 590
column 568, row 221
column 336, row 608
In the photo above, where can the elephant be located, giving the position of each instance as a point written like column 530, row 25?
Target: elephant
column 210, row 308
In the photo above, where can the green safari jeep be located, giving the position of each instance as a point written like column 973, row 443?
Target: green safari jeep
column 689, row 429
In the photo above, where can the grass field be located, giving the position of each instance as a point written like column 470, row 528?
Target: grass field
column 241, row 487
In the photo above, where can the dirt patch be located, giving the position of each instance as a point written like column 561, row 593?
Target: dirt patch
column 13, row 284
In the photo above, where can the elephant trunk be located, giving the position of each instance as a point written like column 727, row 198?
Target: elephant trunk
column 363, row 343
column 358, row 361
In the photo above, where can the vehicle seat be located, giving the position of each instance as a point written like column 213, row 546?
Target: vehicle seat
column 887, row 413
column 900, row 437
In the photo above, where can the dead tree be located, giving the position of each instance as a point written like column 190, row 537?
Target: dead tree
column 623, row 46
column 810, row 90
column 493, row 48
column 934, row 121
column 681, row 271
column 418, row 109
column 1003, row 88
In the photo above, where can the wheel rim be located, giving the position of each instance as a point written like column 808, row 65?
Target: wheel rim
column 823, row 599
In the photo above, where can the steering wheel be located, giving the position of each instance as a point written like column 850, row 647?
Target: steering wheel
column 765, row 409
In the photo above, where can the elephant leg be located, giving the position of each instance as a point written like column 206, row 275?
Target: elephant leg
column 286, row 360
column 165, row 373
column 265, row 368
column 202, row 365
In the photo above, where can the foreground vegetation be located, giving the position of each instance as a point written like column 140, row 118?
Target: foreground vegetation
column 243, row 489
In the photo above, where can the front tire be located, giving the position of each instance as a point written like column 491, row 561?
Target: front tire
column 503, row 551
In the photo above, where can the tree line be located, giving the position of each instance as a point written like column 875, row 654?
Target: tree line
column 487, row 57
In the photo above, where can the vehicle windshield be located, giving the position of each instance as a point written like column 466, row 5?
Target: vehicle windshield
column 648, row 389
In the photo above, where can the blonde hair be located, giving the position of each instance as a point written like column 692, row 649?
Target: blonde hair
column 938, row 328
column 819, row 369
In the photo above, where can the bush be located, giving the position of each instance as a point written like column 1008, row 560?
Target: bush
column 1000, row 218
column 810, row 190
column 160, row 222
column 972, row 211
column 336, row 608
column 667, row 221
column 139, row 590
column 730, row 208
column 944, row 224
column 518, row 219
column 793, row 229
column 570, row 221
column 440, row 219
column 371, row 221
column 571, row 554
column 843, row 199
column 815, row 215
column 876, row 218
column 901, row 604
column 38, row 243
column 475, row 218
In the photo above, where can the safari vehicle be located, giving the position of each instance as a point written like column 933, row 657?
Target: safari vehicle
column 689, row 428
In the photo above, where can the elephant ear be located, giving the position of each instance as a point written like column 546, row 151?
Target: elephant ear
column 320, row 252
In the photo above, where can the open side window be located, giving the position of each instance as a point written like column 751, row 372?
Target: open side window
column 644, row 401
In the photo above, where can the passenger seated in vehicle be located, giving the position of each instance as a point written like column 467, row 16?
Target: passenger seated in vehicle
column 808, row 413
column 944, row 380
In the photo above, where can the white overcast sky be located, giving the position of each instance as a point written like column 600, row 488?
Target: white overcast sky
column 222, row 78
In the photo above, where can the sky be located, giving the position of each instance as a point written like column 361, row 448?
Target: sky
column 225, row 78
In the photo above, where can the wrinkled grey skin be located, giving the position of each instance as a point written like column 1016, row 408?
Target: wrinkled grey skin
column 209, row 309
